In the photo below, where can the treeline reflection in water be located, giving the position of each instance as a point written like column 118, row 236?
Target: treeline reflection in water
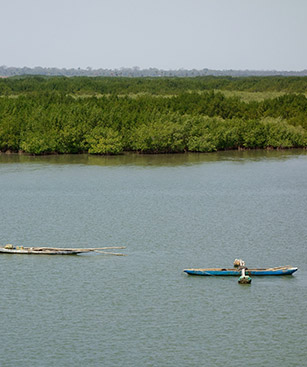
column 158, row 160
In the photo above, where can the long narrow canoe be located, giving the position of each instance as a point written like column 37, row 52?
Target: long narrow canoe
column 56, row 251
column 281, row 270
column 29, row 251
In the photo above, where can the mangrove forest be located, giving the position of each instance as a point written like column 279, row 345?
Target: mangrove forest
column 110, row 115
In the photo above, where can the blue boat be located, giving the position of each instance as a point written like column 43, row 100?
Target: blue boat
column 281, row 270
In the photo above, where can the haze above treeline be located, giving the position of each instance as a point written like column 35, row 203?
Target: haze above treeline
column 9, row 71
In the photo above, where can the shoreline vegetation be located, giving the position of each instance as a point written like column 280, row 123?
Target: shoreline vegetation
column 112, row 115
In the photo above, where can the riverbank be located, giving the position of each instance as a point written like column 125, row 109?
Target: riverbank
column 136, row 153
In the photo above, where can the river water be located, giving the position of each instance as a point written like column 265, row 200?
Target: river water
column 172, row 212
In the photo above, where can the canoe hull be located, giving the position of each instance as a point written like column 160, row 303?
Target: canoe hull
column 34, row 252
column 20, row 250
column 283, row 270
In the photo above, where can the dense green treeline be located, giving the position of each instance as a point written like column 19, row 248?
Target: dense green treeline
column 119, row 85
column 56, row 119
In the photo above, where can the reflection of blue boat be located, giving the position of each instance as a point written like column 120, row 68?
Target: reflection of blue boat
column 282, row 270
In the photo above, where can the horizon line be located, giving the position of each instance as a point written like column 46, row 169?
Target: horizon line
column 138, row 68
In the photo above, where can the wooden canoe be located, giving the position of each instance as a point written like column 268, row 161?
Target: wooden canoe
column 281, row 270
column 30, row 251
column 56, row 251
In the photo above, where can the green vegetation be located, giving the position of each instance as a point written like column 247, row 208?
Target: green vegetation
column 103, row 115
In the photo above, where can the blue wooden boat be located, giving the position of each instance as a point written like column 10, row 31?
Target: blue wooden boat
column 281, row 270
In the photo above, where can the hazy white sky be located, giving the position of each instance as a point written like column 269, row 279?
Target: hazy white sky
column 167, row 34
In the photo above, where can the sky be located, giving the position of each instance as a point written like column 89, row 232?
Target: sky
column 164, row 34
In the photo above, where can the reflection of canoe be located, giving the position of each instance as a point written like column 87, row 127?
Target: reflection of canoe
column 282, row 270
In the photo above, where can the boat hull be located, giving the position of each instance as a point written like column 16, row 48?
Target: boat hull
column 35, row 252
column 283, row 270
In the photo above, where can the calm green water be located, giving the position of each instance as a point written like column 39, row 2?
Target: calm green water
column 172, row 212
